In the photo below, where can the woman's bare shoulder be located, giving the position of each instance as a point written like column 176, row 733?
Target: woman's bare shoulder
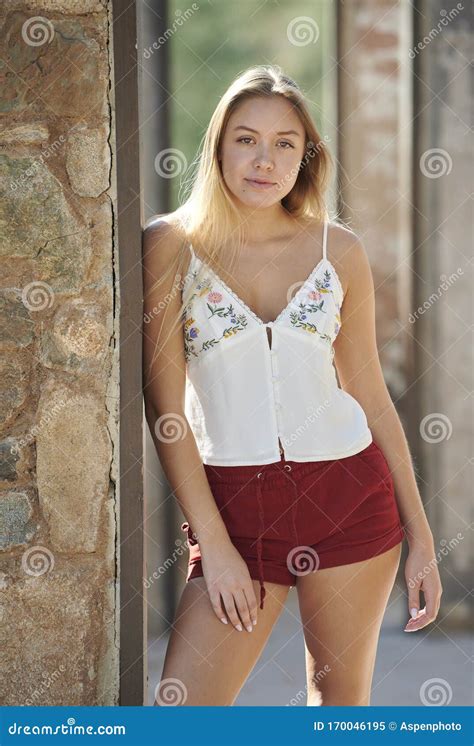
column 344, row 251
column 164, row 225
column 163, row 238
column 341, row 235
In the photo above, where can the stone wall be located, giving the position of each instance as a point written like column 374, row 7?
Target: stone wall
column 58, row 383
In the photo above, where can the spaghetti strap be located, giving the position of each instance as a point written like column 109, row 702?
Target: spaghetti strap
column 325, row 238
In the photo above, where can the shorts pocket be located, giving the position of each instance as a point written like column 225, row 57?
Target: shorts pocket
column 377, row 466
column 238, row 506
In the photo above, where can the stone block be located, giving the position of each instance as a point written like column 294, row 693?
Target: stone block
column 73, row 467
column 38, row 223
column 16, row 525
column 14, row 385
column 56, row 626
column 55, row 64
column 88, row 161
column 78, row 338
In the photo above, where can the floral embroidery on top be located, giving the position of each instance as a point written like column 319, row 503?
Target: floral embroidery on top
column 238, row 321
column 215, row 303
column 315, row 304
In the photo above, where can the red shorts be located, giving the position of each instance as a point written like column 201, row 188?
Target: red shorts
column 291, row 518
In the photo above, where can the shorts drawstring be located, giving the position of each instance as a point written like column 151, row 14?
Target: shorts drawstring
column 261, row 530
column 261, row 523
column 191, row 535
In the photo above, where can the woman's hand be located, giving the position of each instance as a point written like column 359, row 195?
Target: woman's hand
column 230, row 586
column 421, row 574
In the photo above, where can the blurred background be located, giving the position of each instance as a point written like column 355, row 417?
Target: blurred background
column 389, row 88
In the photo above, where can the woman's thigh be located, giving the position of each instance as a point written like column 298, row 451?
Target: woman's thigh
column 207, row 662
column 342, row 609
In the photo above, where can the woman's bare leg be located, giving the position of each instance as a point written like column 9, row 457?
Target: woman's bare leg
column 207, row 662
column 342, row 609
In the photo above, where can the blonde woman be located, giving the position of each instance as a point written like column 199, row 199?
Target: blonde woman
column 253, row 300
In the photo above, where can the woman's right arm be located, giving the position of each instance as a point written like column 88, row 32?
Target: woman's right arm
column 164, row 377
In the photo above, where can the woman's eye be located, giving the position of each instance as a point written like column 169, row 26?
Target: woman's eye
column 282, row 142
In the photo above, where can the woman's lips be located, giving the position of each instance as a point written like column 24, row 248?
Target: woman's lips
column 259, row 185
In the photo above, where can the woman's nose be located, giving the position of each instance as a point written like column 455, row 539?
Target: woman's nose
column 264, row 159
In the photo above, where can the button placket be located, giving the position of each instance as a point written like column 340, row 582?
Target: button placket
column 275, row 378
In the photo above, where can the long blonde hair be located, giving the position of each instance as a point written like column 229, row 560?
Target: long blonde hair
column 209, row 218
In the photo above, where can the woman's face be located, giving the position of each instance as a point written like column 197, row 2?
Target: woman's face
column 265, row 140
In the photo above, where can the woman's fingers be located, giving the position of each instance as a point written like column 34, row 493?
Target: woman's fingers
column 239, row 606
column 230, row 589
column 229, row 604
column 251, row 601
column 243, row 609
column 413, row 599
column 216, row 603
column 432, row 592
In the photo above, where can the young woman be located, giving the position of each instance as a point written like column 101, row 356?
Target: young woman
column 252, row 296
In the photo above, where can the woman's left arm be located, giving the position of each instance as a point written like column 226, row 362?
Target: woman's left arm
column 360, row 374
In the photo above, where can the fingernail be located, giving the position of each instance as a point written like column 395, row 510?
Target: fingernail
column 239, row 627
column 249, row 628
column 414, row 612
column 223, row 620
column 254, row 622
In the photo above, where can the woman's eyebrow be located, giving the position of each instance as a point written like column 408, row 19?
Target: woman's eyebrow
column 244, row 127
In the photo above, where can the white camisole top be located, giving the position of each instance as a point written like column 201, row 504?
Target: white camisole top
column 250, row 401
